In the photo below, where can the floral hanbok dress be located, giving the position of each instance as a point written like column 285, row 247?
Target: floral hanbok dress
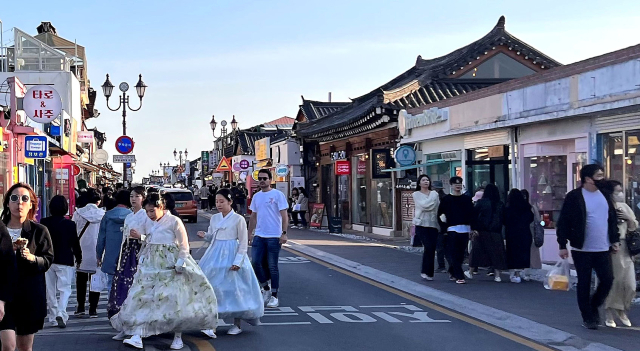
column 128, row 262
column 161, row 300
column 238, row 292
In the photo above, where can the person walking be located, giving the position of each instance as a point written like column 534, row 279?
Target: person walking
column 269, row 220
column 204, row 197
column 25, row 315
column 295, row 193
column 535, row 263
column 425, row 219
column 303, row 206
column 227, row 266
column 241, row 199
column 109, row 241
column 87, row 219
column 456, row 212
column 213, row 190
column 136, row 227
column 588, row 222
column 441, row 251
column 67, row 249
column 623, row 291
column 488, row 246
column 517, row 224
column 169, row 291
column 8, row 275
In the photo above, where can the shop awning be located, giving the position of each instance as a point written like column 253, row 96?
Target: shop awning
column 404, row 168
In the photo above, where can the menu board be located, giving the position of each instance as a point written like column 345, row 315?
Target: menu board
column 381, row 161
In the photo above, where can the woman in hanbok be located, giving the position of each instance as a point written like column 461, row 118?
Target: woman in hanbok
column 169, row 291
column 136, row 227
column 228, row 268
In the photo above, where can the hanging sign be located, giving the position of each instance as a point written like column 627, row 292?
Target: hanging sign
column 100, row 157
column 75, row 170
column 36, row 147
column 124, row 145
column 42, row 104
column 254, row 175
column 282, row 170
column 405, row 155
column 343, row 167
column 338, row 155
column 236, row 167
column 225, row 165
column 85, row 136
column 244, row 164
column 124, row 158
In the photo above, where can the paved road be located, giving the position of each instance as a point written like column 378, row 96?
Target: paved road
column 322, row 308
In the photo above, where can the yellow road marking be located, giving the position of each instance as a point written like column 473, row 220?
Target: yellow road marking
column 478, row 323
column 202, row 345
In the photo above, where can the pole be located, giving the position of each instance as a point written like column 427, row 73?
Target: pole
column 124, row 132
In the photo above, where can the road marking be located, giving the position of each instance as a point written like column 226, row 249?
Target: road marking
column 478, row 323
column 320, row 318
column 201, row 345
column 286, row 323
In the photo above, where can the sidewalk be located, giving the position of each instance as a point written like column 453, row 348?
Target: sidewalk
column 529, row 300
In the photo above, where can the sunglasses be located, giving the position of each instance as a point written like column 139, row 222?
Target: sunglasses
column 263, row 178
column 24, row 198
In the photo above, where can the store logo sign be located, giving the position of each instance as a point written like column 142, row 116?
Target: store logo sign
column 434, row 115
column 343, row 167
column 338, row 155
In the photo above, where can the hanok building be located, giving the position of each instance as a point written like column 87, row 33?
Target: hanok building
column 354, row 145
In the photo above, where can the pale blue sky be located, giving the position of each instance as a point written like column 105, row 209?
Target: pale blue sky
column 255, row 58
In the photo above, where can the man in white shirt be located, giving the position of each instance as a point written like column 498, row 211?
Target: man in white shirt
column 269, row 219
column 588, row 221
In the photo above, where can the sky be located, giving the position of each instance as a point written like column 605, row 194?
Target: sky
column 254, row 59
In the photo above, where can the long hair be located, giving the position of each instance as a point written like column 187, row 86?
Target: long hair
column 492, row 193
column 6, row 212
column 303, row 192
column 418, row 188
column 516, row 200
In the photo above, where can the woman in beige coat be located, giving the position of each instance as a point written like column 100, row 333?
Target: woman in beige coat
column 624, row 280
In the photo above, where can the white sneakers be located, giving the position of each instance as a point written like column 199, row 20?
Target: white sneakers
column 235, row 330
column 426, row 277
column 468, row 274
column 177, row 343
column 135, row 341
column 515, row 279
column 497, row 279
column 266, row 295
column 210, row 333
column 273, row 302
column 120, row 336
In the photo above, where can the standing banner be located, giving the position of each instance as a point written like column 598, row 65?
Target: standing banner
column 317, row 212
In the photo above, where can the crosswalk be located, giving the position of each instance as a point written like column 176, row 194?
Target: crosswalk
column 84, row 324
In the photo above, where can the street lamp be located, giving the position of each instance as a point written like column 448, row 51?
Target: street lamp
column 176, row 153
column 123, row 102
column 223, row 130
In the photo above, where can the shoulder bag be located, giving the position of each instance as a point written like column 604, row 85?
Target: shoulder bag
column 633, row 242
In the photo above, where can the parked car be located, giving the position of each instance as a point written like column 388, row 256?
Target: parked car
column 186, row 205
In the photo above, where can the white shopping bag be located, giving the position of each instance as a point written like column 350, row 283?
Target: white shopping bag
column 99, row 281
column 559, row 276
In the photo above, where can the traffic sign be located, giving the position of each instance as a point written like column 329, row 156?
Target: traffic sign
column 244, row 164
column 225, row 165
column 100, row 157
column 124, row 145
column 124, row 158
column 36, row 146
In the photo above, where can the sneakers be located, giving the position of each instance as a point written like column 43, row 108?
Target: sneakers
column 120, row 336
column 210, row 333
column 253, row 322
column 177, row 343
column 468, row 274
column 235, row 330
column 52, row 324
column 515, row 279
column 273, row 302
column 442, row 270
column 266, row 295
column 93, row 314
column 461, row 281
column 590, row 325
column 497, row 279
column 426, row 277
column 491, row 274
column 60, row 322
column 78, row 313
column 135, row 341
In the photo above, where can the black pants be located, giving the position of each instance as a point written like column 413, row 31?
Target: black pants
column 303, row 217
column 441, row 250
column 457, row 244
column 429, row 239
column 82, row 279
column 586, row 262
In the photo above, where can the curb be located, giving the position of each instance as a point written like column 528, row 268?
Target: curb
column 515, row 324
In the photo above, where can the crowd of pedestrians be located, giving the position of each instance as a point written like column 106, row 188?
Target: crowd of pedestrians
column 593, row 223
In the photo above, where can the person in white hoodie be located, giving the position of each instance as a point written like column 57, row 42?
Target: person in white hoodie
column 87, row 218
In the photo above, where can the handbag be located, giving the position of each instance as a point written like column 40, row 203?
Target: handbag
column 633, row 242
column 538, row 234
column 99, row 281
column 296, row 208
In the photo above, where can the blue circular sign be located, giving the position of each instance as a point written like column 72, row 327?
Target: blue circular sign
column 124, row 145
column 405, row 155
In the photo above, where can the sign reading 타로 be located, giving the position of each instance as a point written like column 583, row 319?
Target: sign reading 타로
column 42, row 104
column 36, row 146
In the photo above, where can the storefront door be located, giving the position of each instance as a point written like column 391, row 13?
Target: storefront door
column 488, row 166
column 621, row 159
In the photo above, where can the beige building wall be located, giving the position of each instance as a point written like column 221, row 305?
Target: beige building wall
column 477, row 112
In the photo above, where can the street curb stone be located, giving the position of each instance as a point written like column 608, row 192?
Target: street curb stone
column 515, row 324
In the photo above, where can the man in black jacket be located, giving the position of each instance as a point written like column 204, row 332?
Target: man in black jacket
column 588, row 221
column 66, row 245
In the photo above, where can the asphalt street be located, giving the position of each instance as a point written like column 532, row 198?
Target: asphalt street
column 321, row 308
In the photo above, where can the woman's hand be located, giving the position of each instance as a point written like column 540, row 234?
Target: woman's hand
column 27, row 254
column 235, row 268
column 1, row 310
column 201, row 234
column 624, row 216
column 134, row 234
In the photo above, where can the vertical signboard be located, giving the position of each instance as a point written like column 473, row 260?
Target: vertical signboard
column 205, row 162
column 263, row 148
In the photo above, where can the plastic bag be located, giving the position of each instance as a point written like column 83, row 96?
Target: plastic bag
column 99, row 281
column 558, row 276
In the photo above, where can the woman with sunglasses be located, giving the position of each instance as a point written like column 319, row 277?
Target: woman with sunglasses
column 25, row 315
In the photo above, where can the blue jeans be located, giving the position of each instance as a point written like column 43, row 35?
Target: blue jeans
column 271, row 248
column 109, row 283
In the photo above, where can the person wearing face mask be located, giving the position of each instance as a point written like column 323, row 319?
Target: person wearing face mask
column 623, row 291
column 588, row 222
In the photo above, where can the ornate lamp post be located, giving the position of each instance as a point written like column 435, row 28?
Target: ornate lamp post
column 123, row 102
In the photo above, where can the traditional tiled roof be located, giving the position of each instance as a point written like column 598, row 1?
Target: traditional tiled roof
column 313, row 110
column 280, row 123
column 426, row 82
